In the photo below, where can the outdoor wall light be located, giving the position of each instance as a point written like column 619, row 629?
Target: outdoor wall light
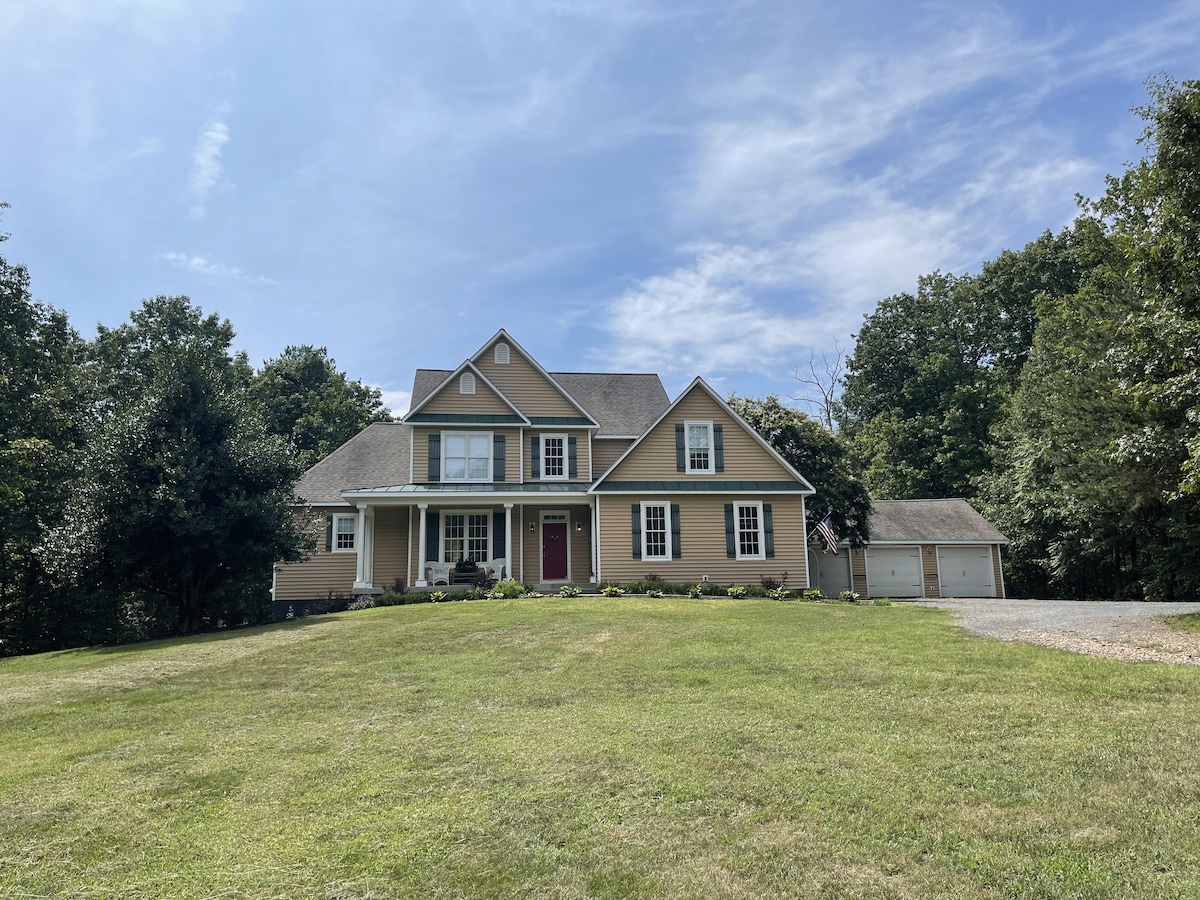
column 532, row 527
column 579, row 524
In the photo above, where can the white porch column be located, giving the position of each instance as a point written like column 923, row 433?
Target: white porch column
column 421, row 582
column 366, row 548
column 508, row 540
column 595, row 541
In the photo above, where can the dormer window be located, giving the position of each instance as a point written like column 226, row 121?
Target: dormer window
column 466, row 383
column 500, row 354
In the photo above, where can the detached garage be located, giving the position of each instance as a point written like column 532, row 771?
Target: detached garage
column 929, row 548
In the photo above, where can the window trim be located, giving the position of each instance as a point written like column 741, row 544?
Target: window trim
column 444, row 514
column 687, row 447
column 738, row 505
column 333, row 544
column 467, row 435
column 666, row 507
column 566, row 462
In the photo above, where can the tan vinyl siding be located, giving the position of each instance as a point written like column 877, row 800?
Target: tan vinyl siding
column 858, row 570
column 531, row 550
column 997, row 571
column 929, row 563
column 524, row 385
column 581, row 451
column 605, row 452
column 391, row 545
column 324, row 573
column 484, row 401
column 420, row 439
column 654, row 458
column 702, row 541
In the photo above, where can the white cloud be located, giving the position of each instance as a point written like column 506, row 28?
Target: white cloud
column 206, row 166
column 204, row 266
column 397, row 401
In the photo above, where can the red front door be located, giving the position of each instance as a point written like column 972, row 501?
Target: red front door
column 554, row 551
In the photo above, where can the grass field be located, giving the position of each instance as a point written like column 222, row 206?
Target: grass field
column 598, row 748
column 1189, row 622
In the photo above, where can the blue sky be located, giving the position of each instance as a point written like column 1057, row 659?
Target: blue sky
column 685, row 188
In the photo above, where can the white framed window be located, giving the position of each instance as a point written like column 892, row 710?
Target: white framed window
column 466, row 456
column 466, row 535
column 554, row 457
column 500, row 354
column 656, row 531
column 698, row 449
column 345, row 529
column 748, row 520
column 466, row 383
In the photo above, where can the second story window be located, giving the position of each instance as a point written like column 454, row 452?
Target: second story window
column 554, row 456
column 466, row 456
column 699, row 447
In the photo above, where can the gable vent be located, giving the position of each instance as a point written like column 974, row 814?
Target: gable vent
column 500, row 355
column 466, row 384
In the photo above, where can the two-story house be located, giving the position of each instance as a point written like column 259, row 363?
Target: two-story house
column 551, row 478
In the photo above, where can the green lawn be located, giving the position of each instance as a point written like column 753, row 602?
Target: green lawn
column 599, row 748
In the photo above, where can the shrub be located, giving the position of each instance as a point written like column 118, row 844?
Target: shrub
column 366, row 601
column 694, row 591
column 779, row 593
column 653, row 577
column 532, row 594
column 568, row 590
column 849, row 597
column 815, row 595
column 508, row 590
column 737, row 592
column 654, row 593
column 612, row 590
column 881, row 601
column 398, row 598
column 437, row 596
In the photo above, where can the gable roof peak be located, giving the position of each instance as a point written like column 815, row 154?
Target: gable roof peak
column 466, row 365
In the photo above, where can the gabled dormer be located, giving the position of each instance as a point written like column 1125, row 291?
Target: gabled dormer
column 466, row 397
column 531, row 388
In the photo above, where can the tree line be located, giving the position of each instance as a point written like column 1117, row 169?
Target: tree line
column 1058, row 388
column 146, row 474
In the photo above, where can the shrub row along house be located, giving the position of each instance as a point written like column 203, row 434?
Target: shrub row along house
column 579, row 477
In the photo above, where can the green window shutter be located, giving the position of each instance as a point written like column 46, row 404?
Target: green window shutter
column 637, row 530
column 433, row 539
column 676, row 552
column 730, row 535
column 535, row 456
column 435, row 457
column 498, row 536
column 498, row 457
column 328, row 533
column 719, row 447
column 572, row 461
column 768, row 531
column 680, row 450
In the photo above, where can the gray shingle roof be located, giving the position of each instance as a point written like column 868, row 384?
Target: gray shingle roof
column 622, row 403
column 930, row 521
column 376, row 455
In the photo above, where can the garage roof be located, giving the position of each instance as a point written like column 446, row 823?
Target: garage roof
column 931, row 521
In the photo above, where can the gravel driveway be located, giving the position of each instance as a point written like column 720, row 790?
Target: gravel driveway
column 1129, row 631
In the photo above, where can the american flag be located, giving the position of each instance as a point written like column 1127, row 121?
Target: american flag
column 825, row 529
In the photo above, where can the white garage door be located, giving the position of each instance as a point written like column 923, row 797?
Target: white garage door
column 894, row 572
column 966, row 571
column 829, row 572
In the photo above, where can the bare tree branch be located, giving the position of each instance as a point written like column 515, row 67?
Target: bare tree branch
column 822, row 383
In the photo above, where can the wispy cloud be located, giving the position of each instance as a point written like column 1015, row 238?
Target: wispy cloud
column 204, row 266
column 206, row 167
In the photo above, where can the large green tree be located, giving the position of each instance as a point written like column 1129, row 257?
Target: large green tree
column 931, row 371
column 819, row 455
column 303, row 396
column 40, row 428
column 181, row 506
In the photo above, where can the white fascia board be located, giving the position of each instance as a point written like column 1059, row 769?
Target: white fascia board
column 449, row 378
column 537, row 365
column 729, row 410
